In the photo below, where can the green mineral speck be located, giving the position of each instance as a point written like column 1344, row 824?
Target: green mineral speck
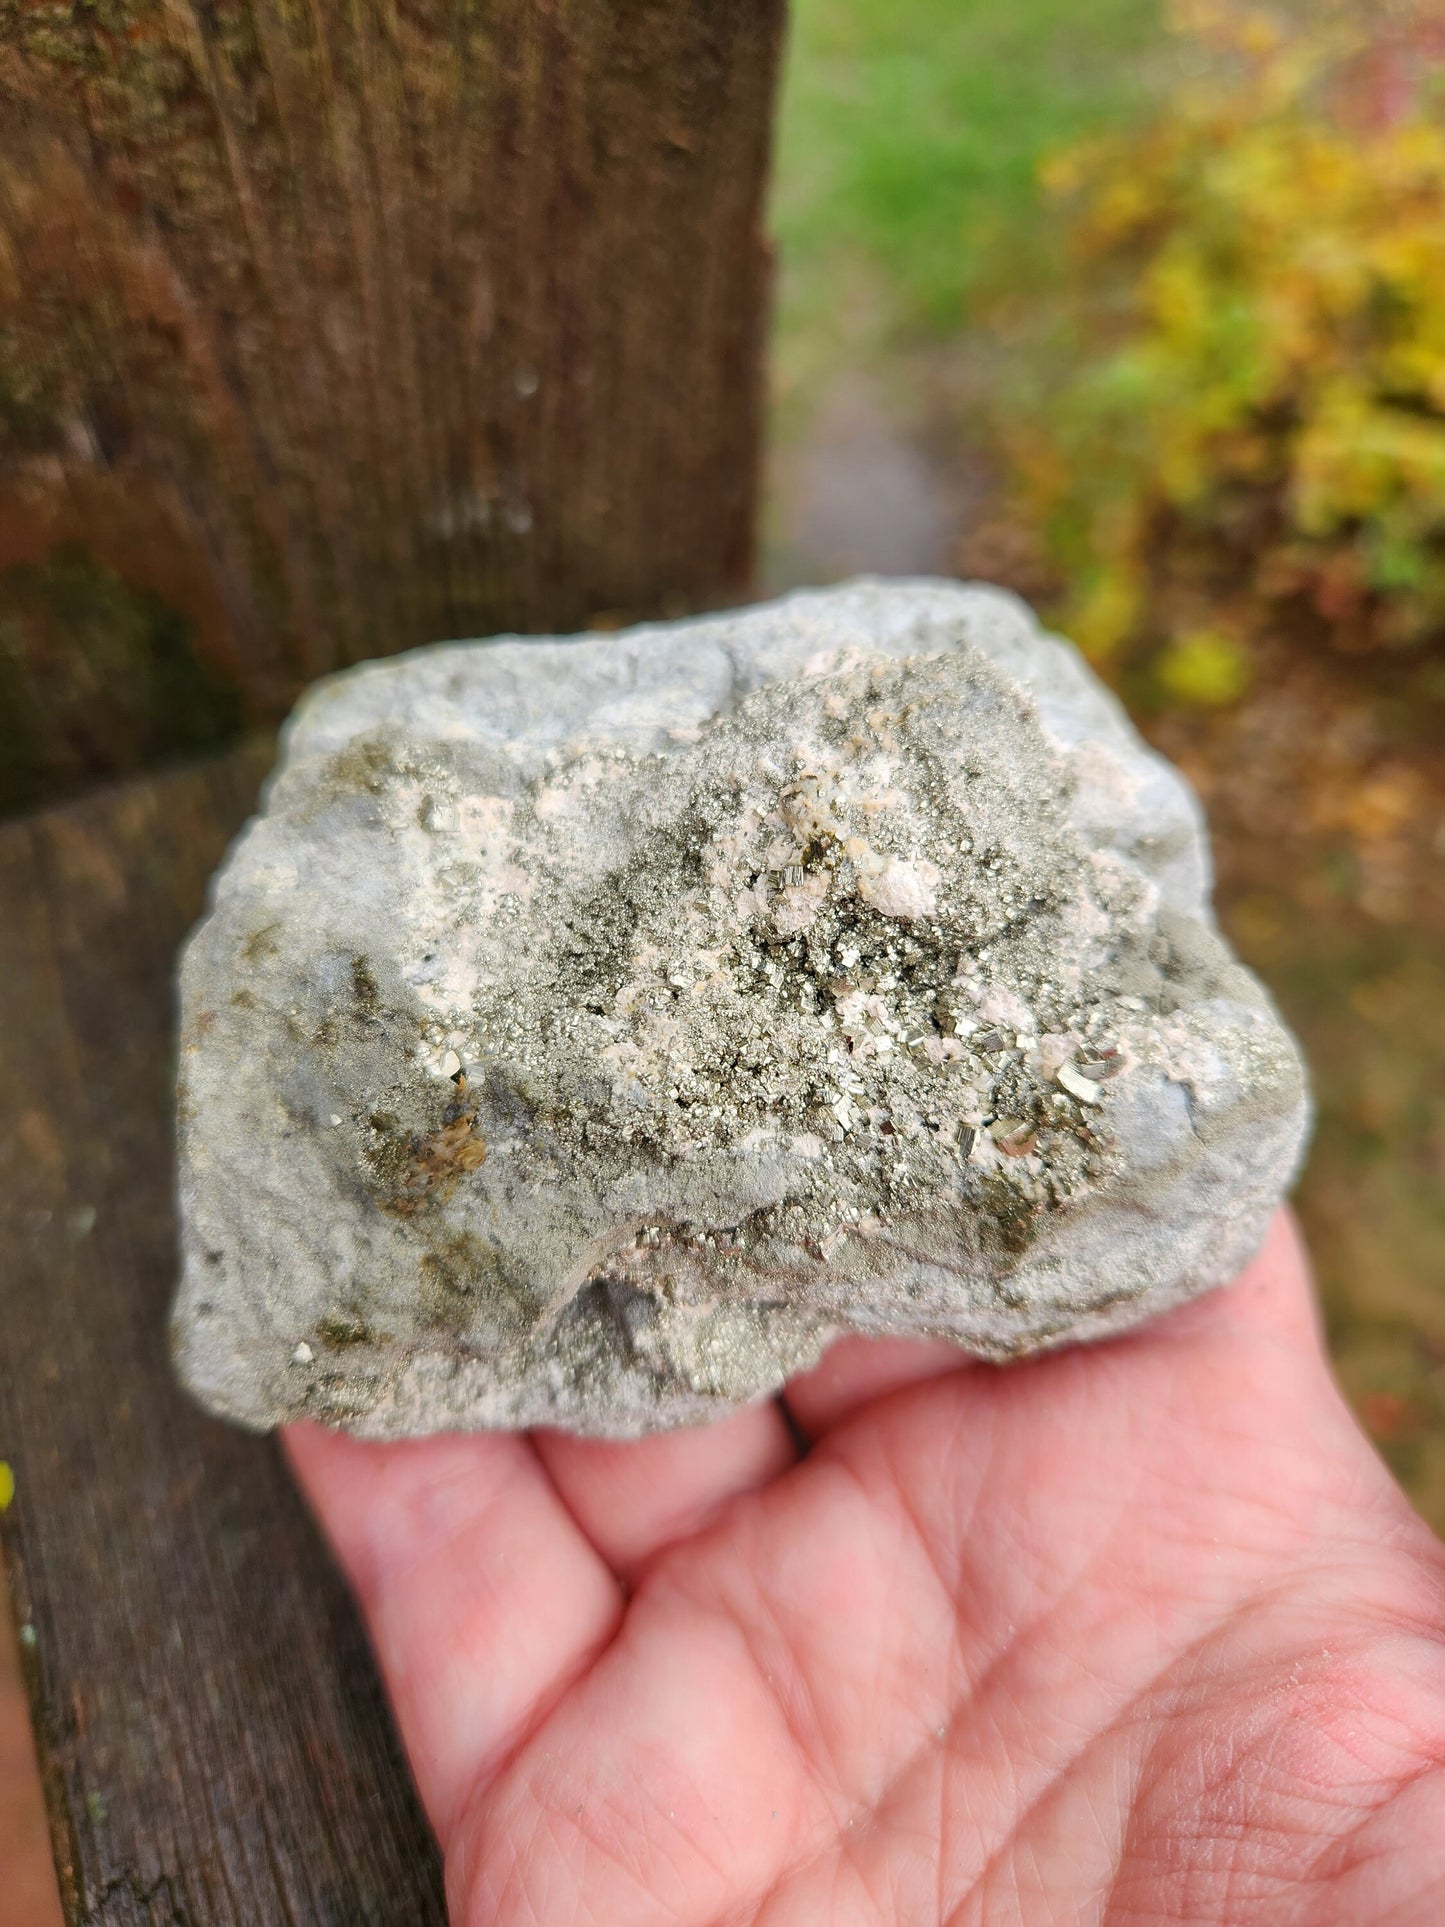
column 342, row 1329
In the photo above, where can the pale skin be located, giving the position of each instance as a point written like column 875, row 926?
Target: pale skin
column 1137, row 1633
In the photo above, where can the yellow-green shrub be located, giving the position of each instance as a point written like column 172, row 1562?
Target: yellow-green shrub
column 1245, row 431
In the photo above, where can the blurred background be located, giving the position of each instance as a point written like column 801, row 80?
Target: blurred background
column 1138, row 309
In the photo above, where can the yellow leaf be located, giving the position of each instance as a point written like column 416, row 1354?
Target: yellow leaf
column 1206, row 667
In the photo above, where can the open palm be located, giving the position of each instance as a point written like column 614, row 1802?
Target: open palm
column 1137, row 1633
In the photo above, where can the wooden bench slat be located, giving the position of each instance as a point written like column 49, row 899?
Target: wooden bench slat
column 214, row 1742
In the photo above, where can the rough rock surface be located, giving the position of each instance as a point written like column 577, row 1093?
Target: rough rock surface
column 587, row 1031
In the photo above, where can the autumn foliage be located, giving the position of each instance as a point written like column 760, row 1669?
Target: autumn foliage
column 1244, row 434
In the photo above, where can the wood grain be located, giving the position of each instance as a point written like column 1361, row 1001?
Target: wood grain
column 334, row 327
column 215, row 1748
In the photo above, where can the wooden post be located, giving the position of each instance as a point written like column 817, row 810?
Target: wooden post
column 328, row 327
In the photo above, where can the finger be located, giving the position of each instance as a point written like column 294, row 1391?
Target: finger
column 1274, row 1292
column 483, row 1599
column 857, row 1372
column 636, row 1497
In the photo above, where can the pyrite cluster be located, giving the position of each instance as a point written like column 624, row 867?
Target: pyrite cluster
column 587, row 1031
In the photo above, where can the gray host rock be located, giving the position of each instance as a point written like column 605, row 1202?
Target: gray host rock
column 587, row 1031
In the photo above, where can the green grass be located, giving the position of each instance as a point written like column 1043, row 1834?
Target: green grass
column 909, row 143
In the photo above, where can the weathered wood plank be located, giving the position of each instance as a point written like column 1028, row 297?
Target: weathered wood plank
column 330, row 329
column 214, row 1743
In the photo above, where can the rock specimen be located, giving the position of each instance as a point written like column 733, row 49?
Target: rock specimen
column 587, row 1031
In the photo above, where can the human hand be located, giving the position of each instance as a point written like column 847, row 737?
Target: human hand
column 1135, row 1633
